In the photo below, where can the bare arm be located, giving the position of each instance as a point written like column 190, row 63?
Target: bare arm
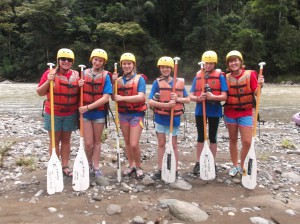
column 131, row 99
column 104, row 99
column 213, row 97
column 43, row 89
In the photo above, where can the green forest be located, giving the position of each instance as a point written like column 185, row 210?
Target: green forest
column 32, row 31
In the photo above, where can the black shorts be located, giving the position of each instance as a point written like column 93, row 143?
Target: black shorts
column 213, row 124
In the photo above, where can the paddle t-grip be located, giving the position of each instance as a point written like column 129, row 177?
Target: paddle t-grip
column 262, row 64
column 201, row 63
column 50, row 65
column 176, row 59
column 81, row 67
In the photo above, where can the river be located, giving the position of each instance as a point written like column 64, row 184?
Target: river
column 278, row 102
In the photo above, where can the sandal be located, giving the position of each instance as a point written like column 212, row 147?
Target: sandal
column 67, row 172
column 129, row 171
column 139, row 173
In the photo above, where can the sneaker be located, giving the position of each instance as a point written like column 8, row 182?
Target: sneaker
column 234, row 171
column 157, row 175
column 97, row 173
column 100, row 179
column 196, row 169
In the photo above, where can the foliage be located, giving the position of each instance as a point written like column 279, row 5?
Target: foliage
column 4, row 150
column 28, row 162
column 32, row 31
column 287, row 144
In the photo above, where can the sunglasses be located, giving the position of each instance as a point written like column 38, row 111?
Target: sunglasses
column 66, row 59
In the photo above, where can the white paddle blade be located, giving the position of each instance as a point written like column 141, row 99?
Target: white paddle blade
column 55, row 182
column 119, row 176
column 207, row 164
column 168, row 171
column 81, row 174
column 249, row 178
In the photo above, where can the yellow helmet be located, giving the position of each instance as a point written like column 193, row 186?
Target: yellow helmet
column 234, row 53
column 99, row 53
column 65, row 53
column 128, row 57
column 167, row 61
column 210, row 56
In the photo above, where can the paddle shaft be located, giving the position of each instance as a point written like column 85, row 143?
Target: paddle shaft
column 81, row 104
column 174, row 89
column 257, row 100
column 116, row 103
column 203, row 103
column 52, row 113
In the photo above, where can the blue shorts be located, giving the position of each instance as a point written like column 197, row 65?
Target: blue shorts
column 61, row 123
column 160, row 129
column 95, row 116
column 246, row 121
column 131, row 121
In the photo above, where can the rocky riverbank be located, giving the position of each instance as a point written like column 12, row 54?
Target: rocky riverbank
column 24, row 157
column 24, row 151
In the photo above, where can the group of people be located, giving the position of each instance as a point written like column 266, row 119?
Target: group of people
column 237, row 89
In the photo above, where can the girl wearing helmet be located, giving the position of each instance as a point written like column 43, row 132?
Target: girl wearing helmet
column 213, row 96
column 242, row 88
column 163, row 99
column 66, row 97
column 96, row 90
column 131, row 91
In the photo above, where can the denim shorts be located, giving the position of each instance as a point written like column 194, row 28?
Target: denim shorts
column 131, row 121
column 246, row 121
column 160, row 129
column 61, row 123
column 98, row 120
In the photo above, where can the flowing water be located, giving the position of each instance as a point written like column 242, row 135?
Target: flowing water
column 278, row 103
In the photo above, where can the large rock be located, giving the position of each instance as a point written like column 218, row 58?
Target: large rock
column 187, row 212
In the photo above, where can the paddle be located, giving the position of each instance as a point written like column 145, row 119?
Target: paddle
column 250, row 164
column 55, row 182
column 118, row 133
column 81, row 175
column 168, row 171
column 206, row 160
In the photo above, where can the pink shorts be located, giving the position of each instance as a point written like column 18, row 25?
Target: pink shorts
column 131, row 121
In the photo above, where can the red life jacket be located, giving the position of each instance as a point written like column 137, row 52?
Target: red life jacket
column 130, row 89
column 213, row 80
column 240, row 96
column 66, row 93
column 165, row 91
column 93, row 87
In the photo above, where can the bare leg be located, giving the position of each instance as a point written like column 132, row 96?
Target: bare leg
column 246, row 138
column 175, row 148
column 65, row 147
column 135, row 134
column 126, row 134
column 233, row 140
column 199, row 149
column 88, row 139
column 97, row 132
column 161, row 137
column 213, row 149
